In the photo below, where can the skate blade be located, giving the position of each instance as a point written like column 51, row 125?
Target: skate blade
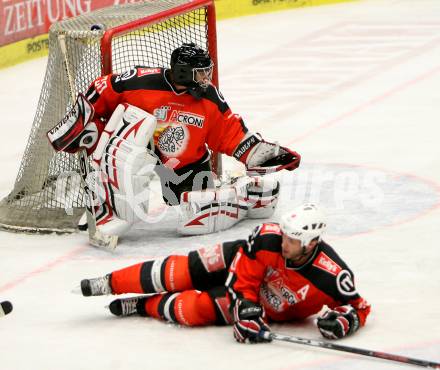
column 76, row 290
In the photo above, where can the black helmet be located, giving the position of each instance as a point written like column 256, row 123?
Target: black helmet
column 186, row 61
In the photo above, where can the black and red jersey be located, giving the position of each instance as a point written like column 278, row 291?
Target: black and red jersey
column 260, row 273
column 185, row 125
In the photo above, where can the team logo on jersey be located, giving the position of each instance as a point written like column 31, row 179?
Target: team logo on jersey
column 276, row 293
column 270, row 297
column 147, row 71
column 173, row 140
column 187, row 118
column 345, row 284
column 270, row 229
column 325, row 263
column 212, row 258
column 161, row 113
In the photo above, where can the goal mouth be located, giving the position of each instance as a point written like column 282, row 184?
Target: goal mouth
column 46, row 197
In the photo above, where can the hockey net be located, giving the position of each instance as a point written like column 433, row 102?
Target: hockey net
column 47, row 194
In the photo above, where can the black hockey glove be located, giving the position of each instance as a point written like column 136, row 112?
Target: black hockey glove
column 248, row 322
column 338, row 323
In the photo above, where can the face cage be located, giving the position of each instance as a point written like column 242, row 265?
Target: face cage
column 204, row 74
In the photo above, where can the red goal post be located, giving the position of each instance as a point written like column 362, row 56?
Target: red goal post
column 109, row 35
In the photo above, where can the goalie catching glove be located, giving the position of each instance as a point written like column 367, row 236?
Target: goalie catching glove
column 338, row 323
column 249, row 322
column 262, row 157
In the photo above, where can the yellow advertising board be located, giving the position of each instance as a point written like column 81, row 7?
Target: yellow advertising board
column 238, row 8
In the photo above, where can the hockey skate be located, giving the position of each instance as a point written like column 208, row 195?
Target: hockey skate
column 124, row 306
column 96, row 286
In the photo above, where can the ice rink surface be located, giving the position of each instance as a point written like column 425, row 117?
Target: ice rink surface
column 352, row 87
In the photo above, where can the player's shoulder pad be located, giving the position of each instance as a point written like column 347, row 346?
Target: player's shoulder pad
column 264, row 237
column 214, row 95
column 329, row 261
column 138, row 78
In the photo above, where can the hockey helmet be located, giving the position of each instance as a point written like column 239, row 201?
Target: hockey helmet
column 188, row 60
column 305, row 223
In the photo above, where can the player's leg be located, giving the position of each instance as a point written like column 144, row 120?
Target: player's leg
column 190, row 307
column 208, row 266
column 201, row 269
column 154, row 276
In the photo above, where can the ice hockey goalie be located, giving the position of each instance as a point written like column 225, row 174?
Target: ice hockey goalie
column 168, row 121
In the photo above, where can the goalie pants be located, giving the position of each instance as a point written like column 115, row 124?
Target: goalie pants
column 190, row 289
column 195, row 176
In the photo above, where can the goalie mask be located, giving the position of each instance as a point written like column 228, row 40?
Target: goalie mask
column 305, row 223
column 191, row 66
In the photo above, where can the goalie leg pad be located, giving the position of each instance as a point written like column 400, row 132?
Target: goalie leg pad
column 212, row 210
column 125, row 166
column 263, row 197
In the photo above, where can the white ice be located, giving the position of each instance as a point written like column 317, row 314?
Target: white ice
column 355, row 88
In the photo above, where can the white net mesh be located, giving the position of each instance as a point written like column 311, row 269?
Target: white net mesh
column 47, row 194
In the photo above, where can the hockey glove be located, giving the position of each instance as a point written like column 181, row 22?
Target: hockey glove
column 262, row 157
column 338, row 323
column 76, row 130
column 248, row 322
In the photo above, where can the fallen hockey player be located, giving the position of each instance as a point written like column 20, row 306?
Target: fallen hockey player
column 282, row 272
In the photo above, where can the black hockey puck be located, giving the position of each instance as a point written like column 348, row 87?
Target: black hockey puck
column 5, row 308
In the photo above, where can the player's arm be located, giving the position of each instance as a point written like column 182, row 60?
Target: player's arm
column 246, row 274
column 226, row 128
column 104, row 94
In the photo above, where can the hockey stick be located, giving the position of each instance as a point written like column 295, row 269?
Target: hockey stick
column 96, row 238
column 5, row 308
column 358, row 351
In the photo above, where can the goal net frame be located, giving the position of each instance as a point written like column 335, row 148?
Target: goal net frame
column 47, row 194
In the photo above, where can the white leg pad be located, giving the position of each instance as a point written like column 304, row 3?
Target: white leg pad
column 124, row 167
column 212, row 210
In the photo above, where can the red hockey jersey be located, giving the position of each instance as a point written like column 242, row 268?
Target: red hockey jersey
column 260, row 273
column 185, row 125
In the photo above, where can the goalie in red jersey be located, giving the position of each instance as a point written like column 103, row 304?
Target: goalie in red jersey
column 168, row 121
column 282, row 272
